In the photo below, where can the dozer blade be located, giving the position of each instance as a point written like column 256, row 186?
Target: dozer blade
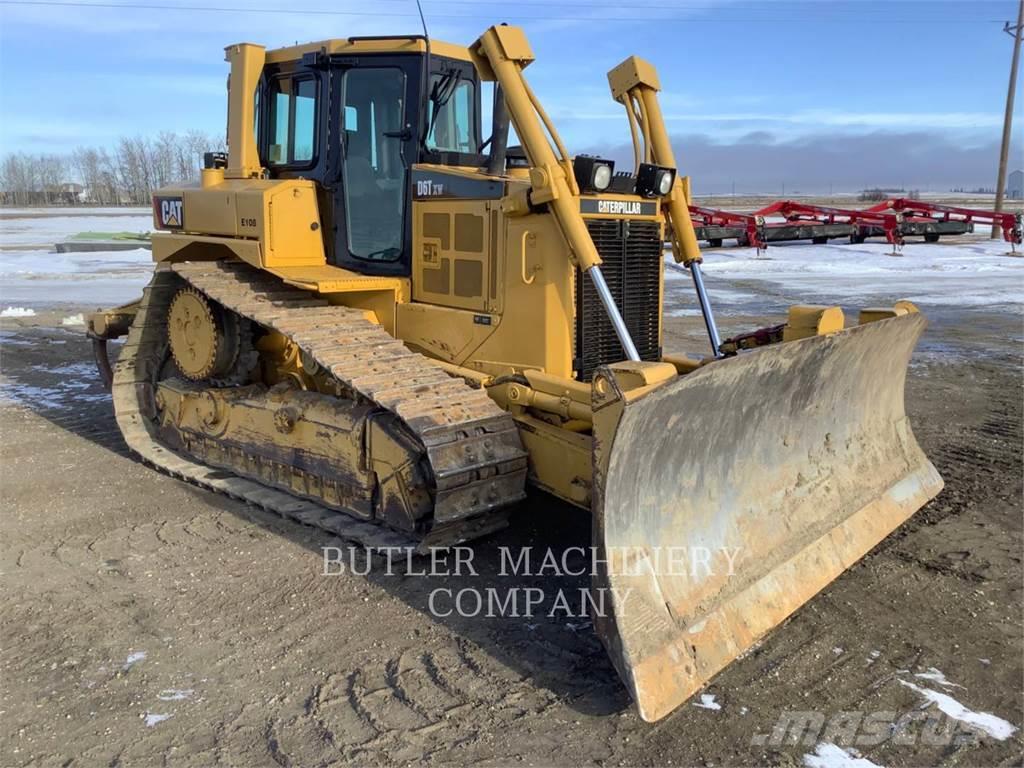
column 725, row 499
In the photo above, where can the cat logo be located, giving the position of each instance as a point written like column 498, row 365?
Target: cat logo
column 170, row 212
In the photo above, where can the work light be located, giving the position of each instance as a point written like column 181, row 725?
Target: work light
column 654, row 180
column 592, row 173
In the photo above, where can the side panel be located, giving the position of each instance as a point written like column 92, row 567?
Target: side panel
column 269, row 224
column 442, row 332
column 293, row 237
column 452, row 254
column 521, row 318
column 537, row 283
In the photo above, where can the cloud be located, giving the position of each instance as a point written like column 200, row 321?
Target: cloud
column 900, row 119
column 762, row 162
column 819, row 118
column 56, row 136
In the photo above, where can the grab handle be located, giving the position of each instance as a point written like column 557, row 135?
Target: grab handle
column 522, row 267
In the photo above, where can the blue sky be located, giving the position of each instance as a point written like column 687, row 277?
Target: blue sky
column 757, row 93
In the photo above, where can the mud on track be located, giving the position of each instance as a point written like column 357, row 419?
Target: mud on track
column 128, row 595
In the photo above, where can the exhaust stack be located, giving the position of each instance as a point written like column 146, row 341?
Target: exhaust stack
column 246, row 61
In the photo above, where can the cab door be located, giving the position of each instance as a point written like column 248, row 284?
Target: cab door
column 376, row 142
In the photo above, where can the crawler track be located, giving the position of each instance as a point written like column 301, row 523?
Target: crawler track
column 476, row 461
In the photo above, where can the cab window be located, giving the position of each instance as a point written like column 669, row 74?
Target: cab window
column 451, row 114
column 292, row 121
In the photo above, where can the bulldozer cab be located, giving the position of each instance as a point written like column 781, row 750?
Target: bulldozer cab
column 357, row 121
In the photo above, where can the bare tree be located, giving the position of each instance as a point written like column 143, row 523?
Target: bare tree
column 163, row 159
column 32, row 179
column 127, row 174
column 15, row 179
column 52, row 172
column 85, row 161
column 108, row 176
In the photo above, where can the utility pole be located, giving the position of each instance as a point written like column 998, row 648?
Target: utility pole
column 1004, row 150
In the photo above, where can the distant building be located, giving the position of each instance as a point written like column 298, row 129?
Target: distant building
column 71, row 193
column 1015, row 186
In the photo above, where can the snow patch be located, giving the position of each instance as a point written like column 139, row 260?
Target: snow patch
column 957, row 271
column 68, row 369
column 937, row 677
column 830, row 756
column 133, row 659
column 175, row 694
column 54, row 398
column 707, row 701
column 8, row 338
column 985, row 722
column 152, row 719
column 73, row 320
column 60, row 224
column 18, row 312
column 38, row 278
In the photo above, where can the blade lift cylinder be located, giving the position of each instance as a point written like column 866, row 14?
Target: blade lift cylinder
column 705, row 308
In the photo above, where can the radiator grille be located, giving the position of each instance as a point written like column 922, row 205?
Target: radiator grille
column 632, row 253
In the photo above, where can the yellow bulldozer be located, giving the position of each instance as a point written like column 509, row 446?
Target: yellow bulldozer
column 368, row 318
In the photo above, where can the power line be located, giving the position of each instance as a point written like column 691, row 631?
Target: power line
column 805, row 6
column 377, row 14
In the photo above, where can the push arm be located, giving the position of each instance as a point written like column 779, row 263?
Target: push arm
column 635, row 85
column 500, row 55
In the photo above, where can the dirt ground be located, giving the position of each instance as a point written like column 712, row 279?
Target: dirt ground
column 147, row 622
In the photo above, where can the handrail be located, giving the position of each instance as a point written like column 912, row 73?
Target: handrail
column 522, row 266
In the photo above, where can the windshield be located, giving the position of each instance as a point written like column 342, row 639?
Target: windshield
column 452, row 114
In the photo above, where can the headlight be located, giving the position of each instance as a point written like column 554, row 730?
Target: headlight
column 602, row 177
column 654, row 180
column 664, row 182
column 592, row 173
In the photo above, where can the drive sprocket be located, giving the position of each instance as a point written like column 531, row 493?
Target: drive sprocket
column 207, row 342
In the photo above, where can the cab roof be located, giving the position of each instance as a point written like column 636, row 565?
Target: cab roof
column 357, row 45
